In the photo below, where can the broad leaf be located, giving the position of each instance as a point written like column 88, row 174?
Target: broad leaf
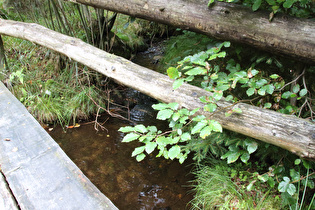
column 250, row 91
column 149, row 147
column 137, row 151
column 130, row 137
column 173, row 73
column 206, row 131
column 173, row 152
column 141, row 128
column 164, row 114
column 126, row 129
column 178, row 83
column 140, row 157
column 198, row 127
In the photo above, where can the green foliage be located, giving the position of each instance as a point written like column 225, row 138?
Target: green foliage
column 218, row 186
column 298, row 8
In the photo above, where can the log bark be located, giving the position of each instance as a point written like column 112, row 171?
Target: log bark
column 289, row 132
column 285, row 35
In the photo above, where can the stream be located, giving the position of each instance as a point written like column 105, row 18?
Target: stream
column 154, row 183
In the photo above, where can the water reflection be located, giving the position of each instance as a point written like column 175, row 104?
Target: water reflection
column 154, row 183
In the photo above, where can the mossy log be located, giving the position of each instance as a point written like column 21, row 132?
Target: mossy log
column 289, row 132
column 283, row 35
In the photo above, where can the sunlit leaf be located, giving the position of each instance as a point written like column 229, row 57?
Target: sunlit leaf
column 274, row 76
column 198, row 127
column 303, row 92
column 210, row 107
column 216, row 126
column 296, row 88
column 126, row 129
column 137, row 151
column 206, row 131
column 186, row 136
column 250, row 91
column 173, row 73
column 141, row 128
column 130, row 137
column 245, row 157
column 164, row 114
column 178, row 83
column 149, row 147
column 159, row 106
column 173, row 152
column 196, row 71
column 140, row 157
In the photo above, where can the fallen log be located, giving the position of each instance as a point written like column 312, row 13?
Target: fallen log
column 289, row 132
column 284, row 35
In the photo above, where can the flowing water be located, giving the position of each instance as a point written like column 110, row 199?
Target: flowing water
column 154, row 183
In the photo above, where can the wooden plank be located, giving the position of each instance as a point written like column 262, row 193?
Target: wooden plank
column 39, row 173
column 6, row 198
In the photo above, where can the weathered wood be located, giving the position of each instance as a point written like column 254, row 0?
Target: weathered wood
column 289, row 132
column 39, row 174
column 7, row 200
column 284, row 35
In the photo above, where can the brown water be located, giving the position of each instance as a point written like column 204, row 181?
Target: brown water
column 154, row 183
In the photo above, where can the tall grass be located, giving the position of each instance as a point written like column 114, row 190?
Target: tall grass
column 216, row 188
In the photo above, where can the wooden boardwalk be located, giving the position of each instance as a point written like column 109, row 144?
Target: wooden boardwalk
column 35, row 172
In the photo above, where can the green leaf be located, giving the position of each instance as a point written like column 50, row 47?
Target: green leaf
column 222, row 87
column 232, row 156
column 178, row 83
column 173, row 73
column 130, row 137
column 291, row 189
column 229, row 98
column 210, row 107
column 140, row 157
column 296, row 88
column 256, row 5
column 206, row 131
column 274, row 76
column 245, row 157
column 173, row 152
column 297, row 161
column 283, row 186
column 176, row 116
column 196, row 71
column 286, row 94
column 288, row 3
column 218, row 95
column 198, row 127
column 141, row 128
column 261, row 83
column 164, row 114
column 251, row 146
column 262, row 91
column 267, row 105
column 173, row 106
column 270, row 88
column 137, row 151
column 150, row 146
column 216, row 126
column 250, row 91
column 160, row 106
column 185, row 136
column 126, row 129
column 303, row 92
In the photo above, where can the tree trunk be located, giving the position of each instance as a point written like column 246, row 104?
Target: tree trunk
column 289, row 132
column 284, row 35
